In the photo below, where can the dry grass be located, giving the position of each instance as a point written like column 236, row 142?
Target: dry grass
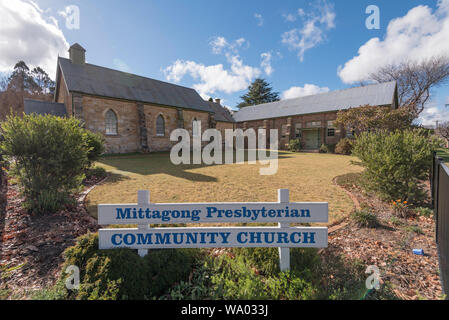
column 308, row 176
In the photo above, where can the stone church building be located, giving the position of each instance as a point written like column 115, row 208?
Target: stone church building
column 137, row 114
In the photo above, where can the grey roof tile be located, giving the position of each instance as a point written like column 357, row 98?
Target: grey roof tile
column 100, row 81
column 221, row 113
column 375, row 95
column 44, row 107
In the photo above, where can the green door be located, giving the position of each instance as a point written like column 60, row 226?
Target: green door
column 312, row 139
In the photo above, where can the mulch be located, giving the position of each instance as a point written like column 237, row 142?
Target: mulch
column 31, row 246
column 390, row 247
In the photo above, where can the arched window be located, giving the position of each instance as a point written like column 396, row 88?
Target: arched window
column 196, row 130
column 111, row 123
column 160, row 126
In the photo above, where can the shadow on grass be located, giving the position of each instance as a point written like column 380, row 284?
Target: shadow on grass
column 157, row 163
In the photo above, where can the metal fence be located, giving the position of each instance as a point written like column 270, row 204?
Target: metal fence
column 440, row 197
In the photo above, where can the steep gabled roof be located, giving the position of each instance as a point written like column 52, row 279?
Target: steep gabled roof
column 221, row 113
column 44, row 107
column 375, row 95
column 100, row 81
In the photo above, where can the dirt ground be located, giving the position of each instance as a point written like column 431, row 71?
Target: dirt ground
column 389, row 246
column 31, row 246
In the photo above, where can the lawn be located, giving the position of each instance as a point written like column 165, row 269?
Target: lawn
column 444, row 153
column 308, row 176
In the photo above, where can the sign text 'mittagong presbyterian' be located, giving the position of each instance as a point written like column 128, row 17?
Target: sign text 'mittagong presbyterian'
column 126, row 213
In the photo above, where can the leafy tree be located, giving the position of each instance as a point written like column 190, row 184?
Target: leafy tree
column 21, row 78
column 258, row 92
column 23, row 83
column 373, row 118
column 43, row 83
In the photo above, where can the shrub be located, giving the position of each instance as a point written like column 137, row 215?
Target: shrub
column 95, row 143
column 424, row 212
column 123, row 274
column 294, row 145
column 365, row 219
column 396, row 163
column 324, row 148
column 234, row 279
column 344, row 146
column 266, row 260
column 48, row 155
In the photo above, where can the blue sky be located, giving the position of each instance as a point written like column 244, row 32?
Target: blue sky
column 219, row 47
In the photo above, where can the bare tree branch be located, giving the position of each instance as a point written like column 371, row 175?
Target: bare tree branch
column 415, row 80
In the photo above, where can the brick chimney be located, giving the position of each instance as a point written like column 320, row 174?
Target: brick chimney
column 77, row 54
column 218, row 101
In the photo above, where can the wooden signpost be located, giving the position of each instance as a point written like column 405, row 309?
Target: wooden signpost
column 282, row 212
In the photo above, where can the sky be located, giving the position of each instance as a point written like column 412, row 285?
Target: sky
column 220, row 47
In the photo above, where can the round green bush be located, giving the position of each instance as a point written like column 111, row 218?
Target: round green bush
column 294, row 145
column 397, row 163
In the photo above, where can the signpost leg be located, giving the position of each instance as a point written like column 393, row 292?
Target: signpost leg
column 143, row 198
column 284, row 253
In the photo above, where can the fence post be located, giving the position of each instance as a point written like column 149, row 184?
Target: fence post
column 143, row 198
column 438, row 161
column 284, row 253
column 432, row 178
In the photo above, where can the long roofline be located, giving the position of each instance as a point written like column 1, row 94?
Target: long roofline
column 133, row 74
column 288, row 107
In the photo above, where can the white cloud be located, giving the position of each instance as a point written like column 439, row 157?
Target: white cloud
column 420, row 34
column 220, row 45
column 26, row 34
column 259, row 19
column 307, row 90
column 289, row 17
column 432, row 114
column 121, row 65
column 213, row 78
column 313, row 30
column 266, row 63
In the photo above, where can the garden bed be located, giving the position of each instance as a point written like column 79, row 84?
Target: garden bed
column 389, row 246
column 31, row 246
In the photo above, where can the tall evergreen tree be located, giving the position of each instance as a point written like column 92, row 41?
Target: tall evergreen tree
column 21, row 79
column 258, row 92
column 43, row 83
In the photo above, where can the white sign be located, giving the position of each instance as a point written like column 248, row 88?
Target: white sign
column 145, row 213
column 212, row 213
column 229, row 237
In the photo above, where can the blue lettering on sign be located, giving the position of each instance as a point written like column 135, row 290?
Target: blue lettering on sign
column 123, row 214
column 181, row 238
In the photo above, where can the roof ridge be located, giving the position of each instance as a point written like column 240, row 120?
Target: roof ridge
column 133, row 74
column 320, row 93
